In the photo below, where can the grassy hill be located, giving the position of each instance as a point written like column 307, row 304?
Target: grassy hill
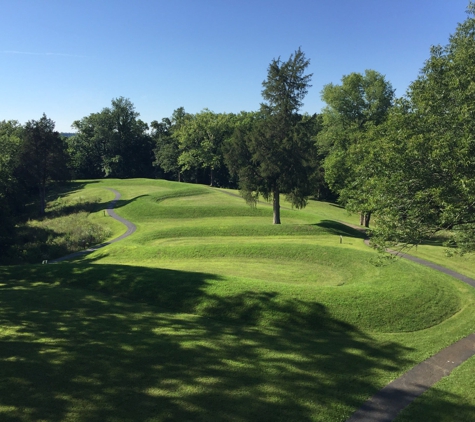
column 209, row 312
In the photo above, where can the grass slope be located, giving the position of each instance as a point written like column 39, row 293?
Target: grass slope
column 451, row 399
column 209, row 312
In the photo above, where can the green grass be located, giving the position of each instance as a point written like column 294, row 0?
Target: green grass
column 73, row 221
column 69, row 354
column 450, row 399
column 209, row 312
column 464, row 264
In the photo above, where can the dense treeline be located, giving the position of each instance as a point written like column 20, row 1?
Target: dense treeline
column 31, row 156
column 413, row 165
column 407, row 162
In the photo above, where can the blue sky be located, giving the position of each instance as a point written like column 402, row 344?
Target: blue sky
column 70, row 58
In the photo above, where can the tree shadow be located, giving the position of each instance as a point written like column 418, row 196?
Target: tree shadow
column 30, row 246
column 119, row 203
column 435, row 241
column 59, row 189
column 111, row 342
column 334, row 227
column 64, row 189
column 438, row 405
column 90, row 206
column 335, row 205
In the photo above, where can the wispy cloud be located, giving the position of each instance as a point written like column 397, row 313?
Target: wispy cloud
column 40, row 54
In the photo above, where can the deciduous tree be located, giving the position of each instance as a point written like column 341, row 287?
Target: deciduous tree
column 10, row 192
column 355, row 107
column 113, row 142
column 167, row 149
column 201, row 139
column 428, row 183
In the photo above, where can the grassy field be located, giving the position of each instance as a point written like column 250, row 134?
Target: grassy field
column 209, row 312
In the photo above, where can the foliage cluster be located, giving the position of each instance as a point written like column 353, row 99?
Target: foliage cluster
column 408, row 161
column 112, row 143
column 30, row 157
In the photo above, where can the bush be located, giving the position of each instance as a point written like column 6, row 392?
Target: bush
column 51, row 238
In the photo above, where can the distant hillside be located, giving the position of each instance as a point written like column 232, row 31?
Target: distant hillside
column 67, row 134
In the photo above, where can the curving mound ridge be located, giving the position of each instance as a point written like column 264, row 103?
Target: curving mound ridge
column 249, row 320
column 264, row 274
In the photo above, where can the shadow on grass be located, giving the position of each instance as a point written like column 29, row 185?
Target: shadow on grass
column 67, row 188
column 334, row 227
column 91, row 207
column 436, row 241
column 30, row 246
column 76, row 344
column 58, row 189
column 438, row 405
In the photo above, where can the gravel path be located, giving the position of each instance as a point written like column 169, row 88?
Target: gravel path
column 110, row 211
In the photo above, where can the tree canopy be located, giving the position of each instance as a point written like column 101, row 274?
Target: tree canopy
column 429, row 180
column 112, row 143
column 43, row 156
column 356, row 106
column 409, row 161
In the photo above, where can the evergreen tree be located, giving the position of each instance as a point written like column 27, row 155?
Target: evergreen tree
column 274, row 154
column 43, row 157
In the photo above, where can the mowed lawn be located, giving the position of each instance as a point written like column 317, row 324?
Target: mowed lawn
column 209, row 312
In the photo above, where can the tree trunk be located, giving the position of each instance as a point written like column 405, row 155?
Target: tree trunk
column 367, row 218
column 276, row 205
column 211, row 178
column 42, row 192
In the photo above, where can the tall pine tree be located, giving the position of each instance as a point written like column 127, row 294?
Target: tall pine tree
column 274, row 154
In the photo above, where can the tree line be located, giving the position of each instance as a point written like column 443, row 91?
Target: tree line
column 407, row 162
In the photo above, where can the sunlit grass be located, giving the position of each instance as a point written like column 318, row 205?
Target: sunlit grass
column 464, row 264
column 210, row 312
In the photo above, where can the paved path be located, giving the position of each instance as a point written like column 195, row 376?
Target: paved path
column 429, row 264
column 386, row 404
column 110, row 211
